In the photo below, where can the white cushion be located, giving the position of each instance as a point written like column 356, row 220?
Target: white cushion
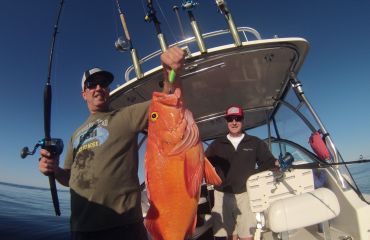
column 303, row 210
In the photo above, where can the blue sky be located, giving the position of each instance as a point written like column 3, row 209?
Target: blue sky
column 335, row 76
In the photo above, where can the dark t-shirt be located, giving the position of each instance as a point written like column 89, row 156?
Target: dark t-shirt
column 236, row 166
column 103, row 158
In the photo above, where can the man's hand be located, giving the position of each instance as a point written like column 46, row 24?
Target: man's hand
column 48, row 164
column 172, row 59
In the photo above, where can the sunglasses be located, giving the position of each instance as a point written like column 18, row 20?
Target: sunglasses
column 232, row 118
column 101, row 83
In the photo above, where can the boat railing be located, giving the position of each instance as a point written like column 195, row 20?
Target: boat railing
column 185, row 42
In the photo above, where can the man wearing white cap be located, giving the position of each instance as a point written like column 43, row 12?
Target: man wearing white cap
column 101, row 162
column 235, row 156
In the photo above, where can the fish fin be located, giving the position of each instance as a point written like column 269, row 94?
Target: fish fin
column 146, row 159
column 190, row 134
column 150, row 222
column 146, row 176
column 193, row 170
column 210, row 173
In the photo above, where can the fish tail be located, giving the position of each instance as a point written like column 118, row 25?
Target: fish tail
column 210, row 173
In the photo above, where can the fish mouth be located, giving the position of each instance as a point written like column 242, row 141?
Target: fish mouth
column 172, row 99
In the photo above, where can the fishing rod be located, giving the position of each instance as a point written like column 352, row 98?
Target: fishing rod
column 325, row 165
column 188, row 5
column 121, row 44
column 151, row 16
column 223, row 9
column 53, row 145
column 286, row 163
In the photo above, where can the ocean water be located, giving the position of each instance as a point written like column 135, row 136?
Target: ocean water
column 361, row 174
column 27, row 213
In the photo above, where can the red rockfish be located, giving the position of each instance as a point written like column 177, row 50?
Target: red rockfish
column 174, row 168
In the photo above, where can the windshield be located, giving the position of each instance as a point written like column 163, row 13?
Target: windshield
column 296, row 131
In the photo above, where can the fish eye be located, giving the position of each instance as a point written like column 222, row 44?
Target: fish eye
column 154, row 116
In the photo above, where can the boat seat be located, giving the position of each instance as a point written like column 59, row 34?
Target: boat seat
column 287, row 201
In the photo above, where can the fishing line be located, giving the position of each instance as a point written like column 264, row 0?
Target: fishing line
column 144, row 6
column 114, row 18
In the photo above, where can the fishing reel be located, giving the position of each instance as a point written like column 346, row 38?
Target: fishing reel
column 150, row 14
column 286, row 161
column 53, row 145
column 220, row 2
column 189, row 4
column 122, row 44
column 222, row 8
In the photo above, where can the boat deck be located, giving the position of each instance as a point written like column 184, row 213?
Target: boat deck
column 308, row 233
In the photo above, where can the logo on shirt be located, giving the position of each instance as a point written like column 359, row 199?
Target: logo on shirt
column 91, row 138
column 247, row 149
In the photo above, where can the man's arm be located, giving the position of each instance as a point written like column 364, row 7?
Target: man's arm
column 265, row 159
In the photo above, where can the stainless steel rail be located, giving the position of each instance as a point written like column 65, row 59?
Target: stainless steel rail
column 184, row 42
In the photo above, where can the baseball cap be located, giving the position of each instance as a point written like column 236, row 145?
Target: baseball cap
column 234, row 111
column 93, row 73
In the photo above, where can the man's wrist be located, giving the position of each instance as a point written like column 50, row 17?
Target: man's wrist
column 58, row 171
column 166, row 86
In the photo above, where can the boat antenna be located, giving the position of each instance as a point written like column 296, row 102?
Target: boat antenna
column 152, row 17
column 53, row 145
column 186, row 48
column 222, row 8
column 121, row 43
column 175, row 8
column 188, row 5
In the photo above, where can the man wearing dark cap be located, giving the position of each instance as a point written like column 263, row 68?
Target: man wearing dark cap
column 101, row 162
column 235, row 157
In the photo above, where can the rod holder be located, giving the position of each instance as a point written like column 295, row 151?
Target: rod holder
column 233, row 31
column 197, row 34
column 162, row 42
column 136, row 63
column 222, row 7
column 133, row 52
